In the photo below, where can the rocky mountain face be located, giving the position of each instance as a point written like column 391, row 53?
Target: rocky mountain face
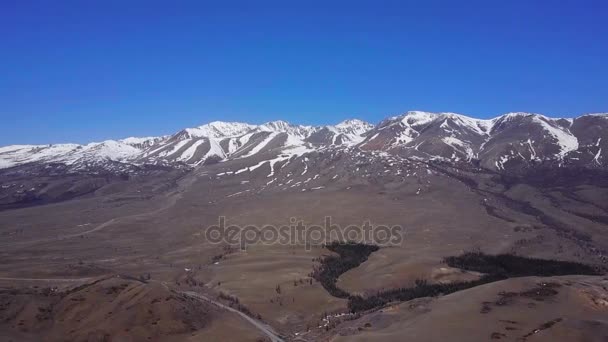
column 513, row 141
column 508, row 142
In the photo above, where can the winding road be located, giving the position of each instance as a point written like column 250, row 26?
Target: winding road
column 263, row 327
column 171, row 200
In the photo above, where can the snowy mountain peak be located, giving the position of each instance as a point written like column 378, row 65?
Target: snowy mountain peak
column 220, row 129
column 277, row 126
column 280, row 126
column 517, row 115
column 354, row 125
column 142, row 142
column 352, row 122
column 417, row 118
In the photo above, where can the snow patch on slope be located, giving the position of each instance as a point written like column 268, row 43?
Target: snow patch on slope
column 257, row 148
column 110, row 149
column 176, row 147
column 479, row 126
column 215, row 149
column 564, row 138
column 459, row 145
column 189, row 152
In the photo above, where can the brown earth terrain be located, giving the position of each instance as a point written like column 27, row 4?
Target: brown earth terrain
column 126, row 262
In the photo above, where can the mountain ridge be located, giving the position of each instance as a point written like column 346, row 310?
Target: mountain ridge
column 511, row 140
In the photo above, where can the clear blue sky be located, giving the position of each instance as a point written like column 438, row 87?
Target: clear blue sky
column 79, row 71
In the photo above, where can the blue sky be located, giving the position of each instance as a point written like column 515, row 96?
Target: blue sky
column 79, row 71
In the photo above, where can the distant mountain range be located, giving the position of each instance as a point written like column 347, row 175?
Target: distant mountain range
column 508, row 142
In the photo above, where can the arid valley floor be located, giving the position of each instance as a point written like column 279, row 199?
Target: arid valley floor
column 100, row 257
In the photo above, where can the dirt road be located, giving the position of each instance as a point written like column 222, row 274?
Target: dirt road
column 266, row 329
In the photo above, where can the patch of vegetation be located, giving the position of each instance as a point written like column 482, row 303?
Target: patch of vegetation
column 350, row 255
column 543, row 326
column 494, row 268
column 509, row 266
column 234, row 302
column 541, row 292
column 421, row 289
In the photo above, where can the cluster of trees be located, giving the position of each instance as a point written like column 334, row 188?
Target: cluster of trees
column 494, row 267
column 421, row 289
column 509, row 265
column 234, row 302
column 350, row 255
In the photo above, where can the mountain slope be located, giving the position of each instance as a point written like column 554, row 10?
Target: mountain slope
column 510, row 141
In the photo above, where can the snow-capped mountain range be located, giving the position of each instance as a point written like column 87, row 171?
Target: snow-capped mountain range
column 212, row 142
column 509, row 141
column 512, row 140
